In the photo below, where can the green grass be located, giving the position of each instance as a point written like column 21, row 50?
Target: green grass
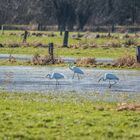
column 16, row 63
column 36, row 116
column 99, row 52
column 69, row 52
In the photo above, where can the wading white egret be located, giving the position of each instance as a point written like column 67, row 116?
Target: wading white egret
column 56, row 76
column 109, row 77
column 76, row 70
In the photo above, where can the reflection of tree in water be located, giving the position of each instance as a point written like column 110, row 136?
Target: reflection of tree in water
column 8, row 76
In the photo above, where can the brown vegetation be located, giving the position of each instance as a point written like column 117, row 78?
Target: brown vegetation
column 128, row 107
column 44, row 60
column 127, row 61
column 130, row 42
column 124, row 61
column 1, row 46
column 85, row 61
column 12, row 59
column 17, row 45
column 39, row 34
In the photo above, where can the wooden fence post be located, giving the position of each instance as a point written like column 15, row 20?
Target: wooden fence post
column 2, row 29
column 138, row 54
column 25, row 36
column 51, row 52
column 66, row 39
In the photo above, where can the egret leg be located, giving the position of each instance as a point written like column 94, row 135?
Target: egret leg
column 115, row 82
column 73, row 76
column 48, row 83
column 56, row 82
column 110, row 84
column 100, row 79
column 78, row 76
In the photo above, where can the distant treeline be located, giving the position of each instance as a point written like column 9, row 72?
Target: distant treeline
column 70, row 13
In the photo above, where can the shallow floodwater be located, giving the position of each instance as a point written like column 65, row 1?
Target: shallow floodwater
column 66, row 59
column 32, row 79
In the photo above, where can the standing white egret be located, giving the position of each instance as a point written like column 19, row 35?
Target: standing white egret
column 56, row 76
column 76, row 70
column 109, row 77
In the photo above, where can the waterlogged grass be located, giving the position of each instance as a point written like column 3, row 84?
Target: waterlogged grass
column 36, row 116
column 69, row 52
column 26, row 63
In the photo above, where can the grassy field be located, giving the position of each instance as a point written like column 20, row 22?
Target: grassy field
column 36, row 116
column 69, row 52
column 104, row 45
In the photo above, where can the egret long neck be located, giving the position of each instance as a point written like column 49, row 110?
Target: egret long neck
column 70, row 67
column 49, row 76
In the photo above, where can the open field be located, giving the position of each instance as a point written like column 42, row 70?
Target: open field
column 87, row 45
column 80, row 109
column 69, row 70
column 36, row 116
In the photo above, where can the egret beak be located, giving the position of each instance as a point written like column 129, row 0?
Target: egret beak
column 47, row 76
column 100, row 79
column 110, row 85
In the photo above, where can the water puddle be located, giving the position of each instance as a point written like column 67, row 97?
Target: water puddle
column 32, row 79
column 66, row 59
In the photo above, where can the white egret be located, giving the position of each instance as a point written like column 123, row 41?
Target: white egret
column 76, row 70
column 56, row 76
column 109, row 77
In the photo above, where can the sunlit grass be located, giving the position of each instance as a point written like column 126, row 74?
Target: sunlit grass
column 70, row 52
column 99, row 52
column 16, row 63
column 36, row 116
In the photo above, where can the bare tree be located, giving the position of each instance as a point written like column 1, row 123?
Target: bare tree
column 84, row 12
column 64, row 13
column 67, row 13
